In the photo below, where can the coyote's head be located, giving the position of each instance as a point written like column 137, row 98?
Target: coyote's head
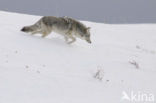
column 87, row 35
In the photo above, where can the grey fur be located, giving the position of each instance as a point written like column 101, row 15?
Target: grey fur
column 68, row 27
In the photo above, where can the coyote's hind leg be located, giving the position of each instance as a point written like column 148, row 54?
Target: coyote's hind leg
column 35, row 32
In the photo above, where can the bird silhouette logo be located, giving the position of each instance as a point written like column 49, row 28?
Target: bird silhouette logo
column 125, row 96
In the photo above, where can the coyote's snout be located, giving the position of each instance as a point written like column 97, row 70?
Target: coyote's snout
column 68, row 27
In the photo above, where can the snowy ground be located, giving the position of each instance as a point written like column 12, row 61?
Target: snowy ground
column 37, row 70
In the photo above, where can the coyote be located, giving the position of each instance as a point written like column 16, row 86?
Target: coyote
column 68, row 27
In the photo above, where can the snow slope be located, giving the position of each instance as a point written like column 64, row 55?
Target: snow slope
column 37, row 70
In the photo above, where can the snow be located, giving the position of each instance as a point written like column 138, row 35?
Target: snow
column 37, row 70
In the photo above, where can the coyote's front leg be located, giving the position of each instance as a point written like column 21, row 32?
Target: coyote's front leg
column 44, row 34
column 72, row 39
column 66, row 38
column 69, row 35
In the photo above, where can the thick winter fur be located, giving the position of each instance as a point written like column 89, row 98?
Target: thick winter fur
column 68, row 27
